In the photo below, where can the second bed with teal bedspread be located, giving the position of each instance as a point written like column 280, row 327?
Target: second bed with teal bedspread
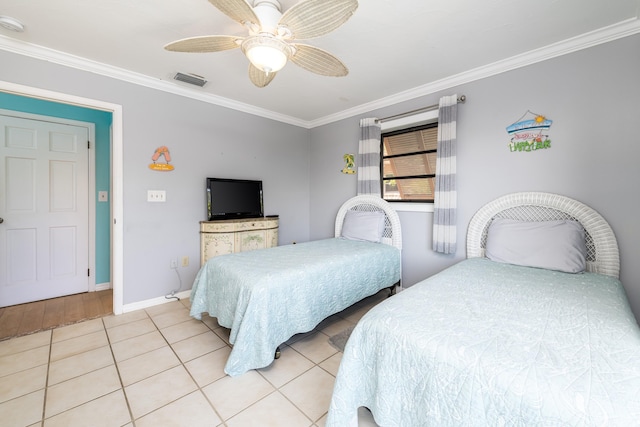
column 490, row 344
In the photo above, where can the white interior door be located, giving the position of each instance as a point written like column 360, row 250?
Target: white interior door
column 44, row 205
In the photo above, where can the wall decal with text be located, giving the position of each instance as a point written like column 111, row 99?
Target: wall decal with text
column 529, row 134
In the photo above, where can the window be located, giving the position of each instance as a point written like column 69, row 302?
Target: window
column 409, row 164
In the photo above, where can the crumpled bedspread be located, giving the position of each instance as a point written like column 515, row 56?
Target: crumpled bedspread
column 489, row 344
column 268, row 295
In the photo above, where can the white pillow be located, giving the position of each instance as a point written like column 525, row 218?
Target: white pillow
column 359, row 225
column 554, row 245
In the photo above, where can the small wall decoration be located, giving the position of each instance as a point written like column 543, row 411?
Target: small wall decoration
column 349, row 159
column 162, row 167
column 529, row 134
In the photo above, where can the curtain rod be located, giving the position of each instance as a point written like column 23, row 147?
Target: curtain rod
column 461, row 100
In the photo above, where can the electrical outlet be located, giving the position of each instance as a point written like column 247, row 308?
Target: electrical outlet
column 185, row 261
column 174, row 263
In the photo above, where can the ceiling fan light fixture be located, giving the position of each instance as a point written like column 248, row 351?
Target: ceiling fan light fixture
column 271, row 41
column 266, row 53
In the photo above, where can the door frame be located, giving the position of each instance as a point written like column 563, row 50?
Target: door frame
column 117, row 186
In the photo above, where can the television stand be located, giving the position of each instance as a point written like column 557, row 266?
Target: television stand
column 227, row 236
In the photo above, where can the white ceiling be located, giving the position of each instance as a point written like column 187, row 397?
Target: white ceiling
column 395, row 49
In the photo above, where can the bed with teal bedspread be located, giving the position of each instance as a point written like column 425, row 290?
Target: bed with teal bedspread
column 487, row 343
column 267, row 296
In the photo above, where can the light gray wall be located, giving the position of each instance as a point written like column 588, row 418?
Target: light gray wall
column 591, row 95
column 328, row 186
column 204, row 140
column 593, row 98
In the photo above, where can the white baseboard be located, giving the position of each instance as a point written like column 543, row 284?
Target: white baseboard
column 126, row 308
column 103, row 286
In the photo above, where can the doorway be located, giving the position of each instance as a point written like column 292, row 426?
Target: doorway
column 116, row 172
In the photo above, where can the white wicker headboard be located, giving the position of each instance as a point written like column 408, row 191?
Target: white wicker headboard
column 392, row 234
column 602, row 247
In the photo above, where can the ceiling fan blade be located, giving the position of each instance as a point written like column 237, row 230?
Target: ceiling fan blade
column 259, row 77
column 238, row 10
column 318, row 61
column 313, row 18
column 203, row 44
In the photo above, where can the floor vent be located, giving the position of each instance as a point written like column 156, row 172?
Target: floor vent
column 192, row 79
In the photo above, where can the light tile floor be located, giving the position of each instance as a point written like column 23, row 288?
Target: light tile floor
column 160, row 367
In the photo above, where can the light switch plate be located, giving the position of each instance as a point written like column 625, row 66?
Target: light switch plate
column 156, row 196
column 103, row 196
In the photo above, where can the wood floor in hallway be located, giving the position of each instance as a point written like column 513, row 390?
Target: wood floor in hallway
column 24, row 319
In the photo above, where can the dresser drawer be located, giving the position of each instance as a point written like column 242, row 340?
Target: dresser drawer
column 241, row 235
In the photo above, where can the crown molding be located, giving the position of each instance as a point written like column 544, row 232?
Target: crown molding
column 603, row 35
column 38, row 52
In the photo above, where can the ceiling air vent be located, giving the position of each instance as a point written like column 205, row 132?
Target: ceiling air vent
column 192, row 79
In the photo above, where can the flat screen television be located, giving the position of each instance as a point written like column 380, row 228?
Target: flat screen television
column 234, row 198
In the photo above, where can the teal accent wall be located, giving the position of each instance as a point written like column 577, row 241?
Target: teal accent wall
column 102, row 121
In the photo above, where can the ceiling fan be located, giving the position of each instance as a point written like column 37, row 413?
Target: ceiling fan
column 269, row 44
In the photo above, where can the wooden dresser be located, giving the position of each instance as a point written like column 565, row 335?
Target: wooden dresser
column 236, row 235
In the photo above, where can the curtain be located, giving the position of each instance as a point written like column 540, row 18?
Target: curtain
column 445, row 196
column 369, row 157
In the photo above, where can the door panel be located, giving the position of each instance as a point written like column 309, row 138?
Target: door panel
column 62, row 252
column 20, row 190
column 21, row 255
column 62, row 187
column 45, row 204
